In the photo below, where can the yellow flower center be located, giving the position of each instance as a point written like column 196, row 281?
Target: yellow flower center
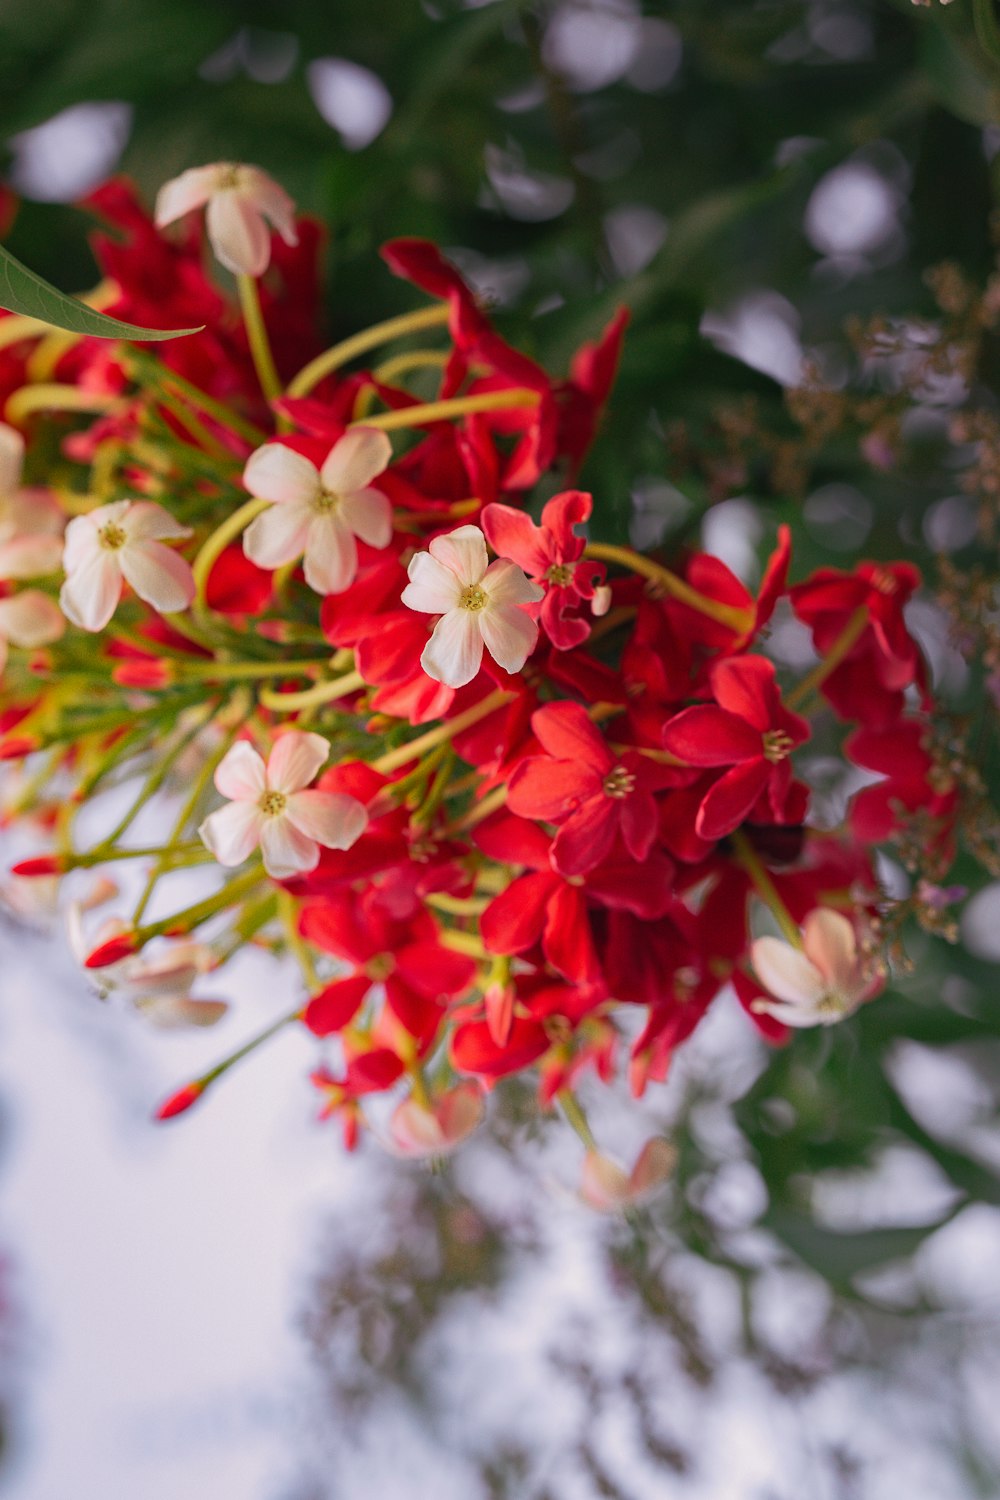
column 619, row 783
column 560, row 574
column 112, row 537
column 325, row 501
column 473, row 597
column 776, row 745
column 273, row 804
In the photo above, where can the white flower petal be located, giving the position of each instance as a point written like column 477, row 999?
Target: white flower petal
column 331, row 559
column 171, row 1012
column 794, row 1015
column 368, row 514
column 30, row 619
column 455, row 650
column 90, row 595
column 331, row 818
column 830, row 942
column 192, row 189
column 296, row 760
column 462, row 552
column 240, row 775
column 81, row 540
column 786, row 972
column 277, row 537
column 30, row 556
column 286, row 851
column 276, row 472
column 11, row 458
column 233, row 833
column 148, row 522
column 509, row 633
column 355, row 460
column 272, row 201
column 433, row 589
column 237, row 233
column 158, row 576
column 506, row 583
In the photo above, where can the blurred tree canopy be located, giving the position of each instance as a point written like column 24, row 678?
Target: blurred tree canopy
column 816, row 157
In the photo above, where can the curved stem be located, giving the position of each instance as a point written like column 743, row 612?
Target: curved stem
column 842, row 647
column 765, row 887
column 260, row 346
column 314, row 697
column 370, row 338
column 414, row 749
column 214, row 546
column 456, row 406
column 740, row 620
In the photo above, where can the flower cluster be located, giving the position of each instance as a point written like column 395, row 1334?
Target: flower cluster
column 515, row 799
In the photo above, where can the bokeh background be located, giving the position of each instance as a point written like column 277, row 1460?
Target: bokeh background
column 231, row 1307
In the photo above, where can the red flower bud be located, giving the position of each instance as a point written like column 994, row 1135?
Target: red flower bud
column 42, row 864
column 113, row 951
column 182, row 1100
column 16, row 746
column 140, row 673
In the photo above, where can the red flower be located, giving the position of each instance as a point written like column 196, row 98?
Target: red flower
column 885, row 659
column 418, row 972
column 583, row 786
column 550, row 555
column 750, row 731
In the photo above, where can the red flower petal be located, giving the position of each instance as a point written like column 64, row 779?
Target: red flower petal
column 707, row 736
column 337, row 1005
column 732, row 798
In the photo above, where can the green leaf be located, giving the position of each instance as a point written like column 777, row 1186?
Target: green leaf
column 21, row 291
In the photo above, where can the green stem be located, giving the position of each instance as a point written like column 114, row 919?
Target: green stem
column 765, row 887
column 369, row 338
column 740, row 620
column 260, row 346
column 841, row 648
column 573, row 1111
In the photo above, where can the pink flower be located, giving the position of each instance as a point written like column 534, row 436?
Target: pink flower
column 415, row 1130
column 609, row 1188
column 31, row 521
column 270, row 808
column 118, row 544
column 318, row 513
column 241, row 201
column 478, row 604
column 821, row 983
column 28, row 619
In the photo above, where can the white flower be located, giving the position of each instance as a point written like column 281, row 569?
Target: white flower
column 419, row 1130
column 118, row 544
column 31, row 521
column 478, row 605
column 821, row 983
column 158, row 985
column 241, row 200
column 269, row 807
column 28, row 619
column 317, row 513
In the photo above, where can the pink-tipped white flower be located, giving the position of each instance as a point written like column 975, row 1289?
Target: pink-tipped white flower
column 31, row 521
column 415, row 1130
column 821, row 982
column 315, row 513
column 270, row 808
column 158, row 985
column 118, row 544
column 29, row 619
column 609, row 1188
column 242, row 201
column 478, row 604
